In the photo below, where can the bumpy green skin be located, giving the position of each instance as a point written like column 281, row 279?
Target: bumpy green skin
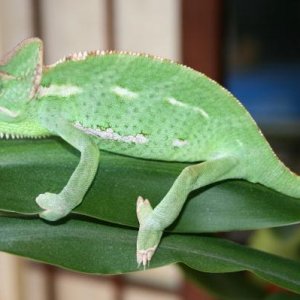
column 139, row 106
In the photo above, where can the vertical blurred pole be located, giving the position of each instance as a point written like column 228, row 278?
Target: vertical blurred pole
column 36, row 18
column 109, row 24
column 10, row 277
column 49, row 277
column 202, row 36
column 202, row 43
column 15, row 23
column 117, row 280
column 119, row 284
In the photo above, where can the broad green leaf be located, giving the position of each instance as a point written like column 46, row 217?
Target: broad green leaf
column 28, row 168
column 93, row 247
column 227, row 286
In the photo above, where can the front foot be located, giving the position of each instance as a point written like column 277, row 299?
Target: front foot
column 148, row 236
column 54, row 206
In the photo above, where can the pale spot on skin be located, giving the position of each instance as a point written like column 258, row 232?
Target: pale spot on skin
column 178, row 103
column 175, row 102
column 59, row 90
column 239, row 143
column 180, row 143
column 123, row 92
column 201, row 111
column 8, row 112
column 109, row 134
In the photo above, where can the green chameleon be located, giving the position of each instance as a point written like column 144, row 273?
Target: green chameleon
column 139, row 106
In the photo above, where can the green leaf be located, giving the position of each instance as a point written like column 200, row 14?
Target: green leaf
column 93, row 247
column 227, row 286
column 28, row 168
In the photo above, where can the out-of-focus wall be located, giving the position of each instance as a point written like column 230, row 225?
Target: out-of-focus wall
column 66, row 26
column 149, row 26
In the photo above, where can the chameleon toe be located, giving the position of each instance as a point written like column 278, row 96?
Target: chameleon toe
column 53, row 205
column 143, row 257
column 143, row 209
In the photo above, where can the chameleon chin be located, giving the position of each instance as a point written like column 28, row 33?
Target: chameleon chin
column 141, row 106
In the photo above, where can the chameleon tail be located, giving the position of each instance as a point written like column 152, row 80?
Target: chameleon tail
column 280, row 178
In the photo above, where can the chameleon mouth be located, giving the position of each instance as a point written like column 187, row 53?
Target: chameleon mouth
column 15, row 136
column 8, row 136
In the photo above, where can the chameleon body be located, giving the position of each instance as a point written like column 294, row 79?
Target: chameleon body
column 139, row 106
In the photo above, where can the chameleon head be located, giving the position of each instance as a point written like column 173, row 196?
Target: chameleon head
column 20, row 76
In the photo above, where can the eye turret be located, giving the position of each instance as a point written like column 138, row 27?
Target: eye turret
column 23, row 66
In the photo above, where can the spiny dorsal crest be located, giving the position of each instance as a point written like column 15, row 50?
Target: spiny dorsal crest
column 79, row 56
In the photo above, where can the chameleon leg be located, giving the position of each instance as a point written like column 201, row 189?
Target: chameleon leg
column 154, row 221
column 59, row 205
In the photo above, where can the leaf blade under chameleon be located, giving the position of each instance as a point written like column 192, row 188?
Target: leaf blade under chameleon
column 28, row 168
column 92, row 247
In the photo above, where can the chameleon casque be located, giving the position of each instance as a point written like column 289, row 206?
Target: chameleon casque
column 140, row 106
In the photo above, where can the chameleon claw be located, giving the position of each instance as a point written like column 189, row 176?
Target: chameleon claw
column 143, row 257
column 143, row 209
column 148, row 237
column 141, row 203
column 53, row 205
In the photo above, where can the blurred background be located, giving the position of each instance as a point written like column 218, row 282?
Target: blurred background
column 251, row 47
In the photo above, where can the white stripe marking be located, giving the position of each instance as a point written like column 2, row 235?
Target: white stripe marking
column 176, row 102
column 239, row 143
column 59, row 90
column 123, row 92
column 180, row 143
column 109, row 134
column 8, row 112
column 201, row 111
